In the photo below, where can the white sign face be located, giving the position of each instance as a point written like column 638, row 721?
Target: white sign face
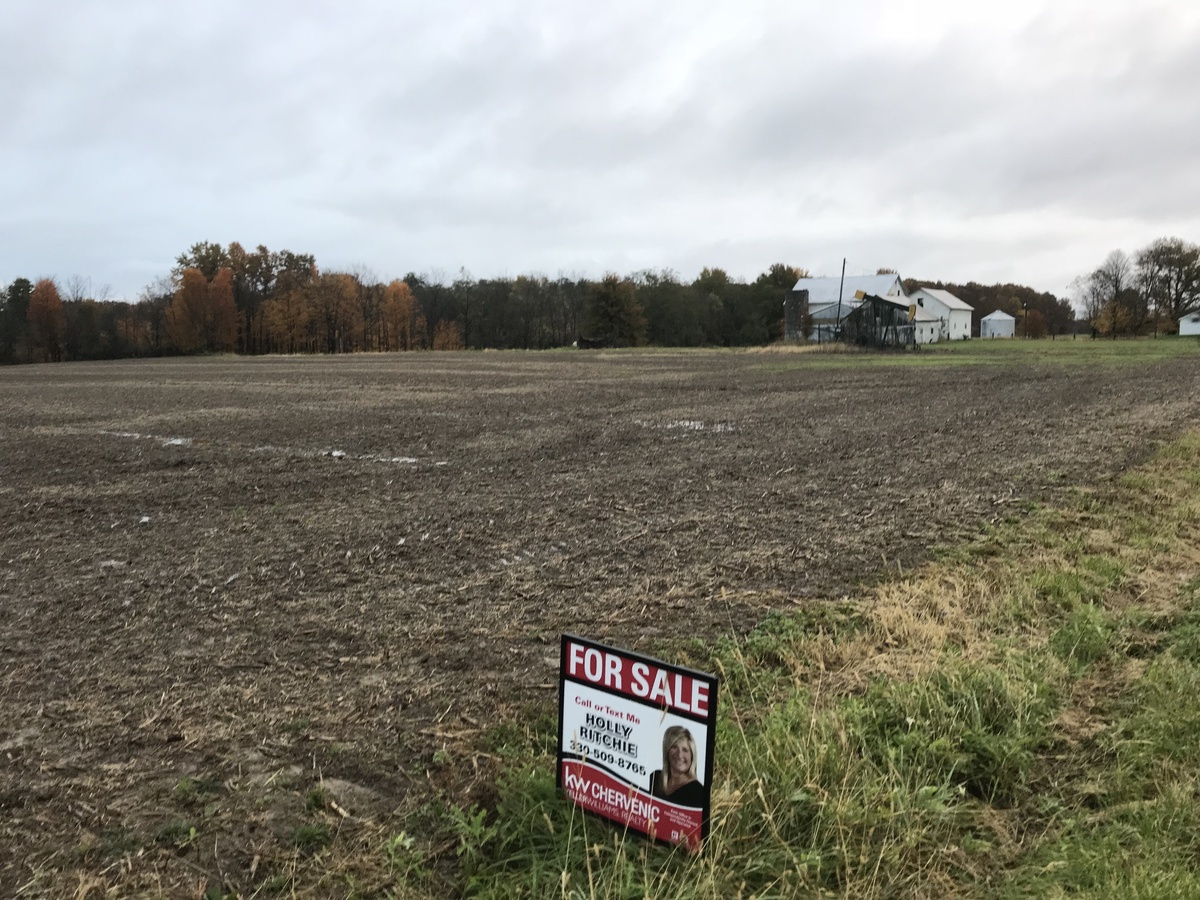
column 636, row 740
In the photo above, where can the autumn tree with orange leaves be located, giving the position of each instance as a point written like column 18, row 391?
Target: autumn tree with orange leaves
column 221, row 329
column 287, row 322
column 336, row 312
column 399, row 314
column 202, row 316
column 447, row 336
column 47, row 320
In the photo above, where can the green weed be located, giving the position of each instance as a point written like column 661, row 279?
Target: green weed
column 297, row 726
column 315, row 799
column 196, row 790
column 178, row 835
column 405, row 861
column 312, row 838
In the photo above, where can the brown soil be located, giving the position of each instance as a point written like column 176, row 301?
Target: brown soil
column 260, row 573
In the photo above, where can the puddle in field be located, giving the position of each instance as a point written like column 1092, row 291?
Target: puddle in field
column 165, row 441
column 689, row 425
column 271, row 449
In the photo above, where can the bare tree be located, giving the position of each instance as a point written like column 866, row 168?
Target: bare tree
column 1112, row 299
column 153, row 302
column 1168, row 274
column 76, row 289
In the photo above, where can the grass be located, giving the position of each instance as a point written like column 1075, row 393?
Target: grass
column 1019, row 718
column 1059, row 351
column 1083, row 638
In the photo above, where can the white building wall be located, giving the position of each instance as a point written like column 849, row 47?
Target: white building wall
column 955, row 323
column 960, row 325
column 1190, row 324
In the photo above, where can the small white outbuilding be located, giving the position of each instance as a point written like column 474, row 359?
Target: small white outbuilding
column 998, row 324
column 1190, row 324
column 927, row 327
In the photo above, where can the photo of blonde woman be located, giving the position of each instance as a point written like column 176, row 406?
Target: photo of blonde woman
column 676, row 781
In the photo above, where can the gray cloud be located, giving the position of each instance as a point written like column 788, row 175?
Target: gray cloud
column 947, row 142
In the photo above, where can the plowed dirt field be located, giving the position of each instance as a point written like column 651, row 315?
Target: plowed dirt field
column 228, row 577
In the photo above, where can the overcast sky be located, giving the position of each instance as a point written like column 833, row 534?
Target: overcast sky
column 1016, row 141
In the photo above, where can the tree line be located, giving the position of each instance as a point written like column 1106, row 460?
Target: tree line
column 227, row 299
column 1148, row 292
column 221, row 299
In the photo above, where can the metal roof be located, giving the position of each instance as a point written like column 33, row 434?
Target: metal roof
column 947, row 298
column 827, row 311
column 824, row 291
column 898, row 302
column 998, row 314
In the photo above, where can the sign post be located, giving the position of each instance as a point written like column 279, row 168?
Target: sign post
column 636, row 740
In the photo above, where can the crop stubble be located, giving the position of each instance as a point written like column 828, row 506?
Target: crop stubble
column 248, row 566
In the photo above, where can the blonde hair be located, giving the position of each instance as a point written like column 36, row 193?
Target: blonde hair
column 671, row 737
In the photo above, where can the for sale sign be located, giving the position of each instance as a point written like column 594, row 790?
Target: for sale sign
column 636, row 740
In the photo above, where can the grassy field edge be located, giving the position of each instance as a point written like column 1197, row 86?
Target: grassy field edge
column 1018, row 718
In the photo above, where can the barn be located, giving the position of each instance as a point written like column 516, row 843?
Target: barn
column 831, row 299
column 1190, row 324
column 952, row 314
column 998, row 324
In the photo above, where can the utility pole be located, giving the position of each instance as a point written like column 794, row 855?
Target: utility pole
column 838, row 326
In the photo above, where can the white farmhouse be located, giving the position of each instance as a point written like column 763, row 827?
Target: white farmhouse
column 953, row 314
column 1190, row 324
column 997, row 324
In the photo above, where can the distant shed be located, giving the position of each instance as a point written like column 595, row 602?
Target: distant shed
column 998, row 324
column 1190, row 324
